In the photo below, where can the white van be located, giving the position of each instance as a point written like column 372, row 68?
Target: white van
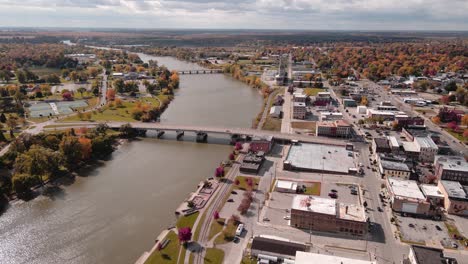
column 239, row 230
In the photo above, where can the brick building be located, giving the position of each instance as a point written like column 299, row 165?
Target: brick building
column 339, row 128
column 327, row 215
column 452, row 168
column 455, row 197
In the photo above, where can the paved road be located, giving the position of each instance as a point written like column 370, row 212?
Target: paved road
column 287, row 113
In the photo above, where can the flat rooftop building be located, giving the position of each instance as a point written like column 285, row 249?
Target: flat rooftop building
column 327, row 215
column 320, row 158
column 406, row 197
column 452, row 168
column 306, row 257
column 427, row 255
column 455, row 197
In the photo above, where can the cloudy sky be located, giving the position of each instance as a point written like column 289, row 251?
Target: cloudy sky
column 239, row 14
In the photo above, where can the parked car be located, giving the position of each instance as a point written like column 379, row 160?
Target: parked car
column 266, row 219
column 333, row 195
column 333, row 190
column 233, row 192
column 379, row 209
column 230, row 200
column 438, row 228
column 411, row 225
column 354, row 192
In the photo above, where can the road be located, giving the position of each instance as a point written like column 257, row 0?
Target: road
column 224, row 188
column 454, row 143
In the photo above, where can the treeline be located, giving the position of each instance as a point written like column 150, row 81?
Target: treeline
column 237, row 72
column 36, row 159
column 379, row 61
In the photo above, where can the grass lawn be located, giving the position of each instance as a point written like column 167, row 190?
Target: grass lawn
column 272, row 124
column 304, row 125
column 453, row 230
column 312, row 188
column 313, row 91
column 228, row 234
column 216, row 227
column 458, row 136
column 214, row 256
column 243, row 182
column 249, row 260
column 167, row 255
column 119, row 114
column 187, row 221
column 42, row 71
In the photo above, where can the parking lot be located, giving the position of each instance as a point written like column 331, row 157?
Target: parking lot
column 432, row 233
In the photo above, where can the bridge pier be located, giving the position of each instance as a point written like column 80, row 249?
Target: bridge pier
column 141, row 132
column 180, row 134
column 160, row 133
column 202, row 137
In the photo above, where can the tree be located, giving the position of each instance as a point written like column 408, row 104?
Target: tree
column 127, row 131
column 119, row 85
column 22, row 184
column 184, row 234
column 67, row 96
column 12, row 123
column 216, row 215
column 231, row 156
column 3, row 118
column 464, row 120
column 102, row 145
column 436, row 120
column 101, row 129
column 39, row 162
column 364, row 100
column 73, row 76
column 86, row 148
column 52, row 78
column 81, row 90
column 451, row 87
column 110, row 95
column 70, row 148
column 219, row 172
column 238, row 146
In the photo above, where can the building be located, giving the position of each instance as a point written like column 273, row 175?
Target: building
column 286, row 186
column 275, row 247
column 252, row 163
column 322, row 99
column 299, row 110
column 263, row 144
column 275, row 111
column 362, row 109
column 395, row 145
column 433, row 194
column 427, row 255
column 381, row 145
column 349, row 103
column 327, row 215
column 338, row 128
column 384, row 115
column 427, row 149
column 394, row 169
column 406, row 121
column 306, row 257
column 299, row 97
column 411, row 150
column 452, row 168
column 455, row 197
column 329, row 116
column 406, row 197
column 383, row 107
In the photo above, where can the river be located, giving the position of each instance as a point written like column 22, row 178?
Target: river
column 113, row 213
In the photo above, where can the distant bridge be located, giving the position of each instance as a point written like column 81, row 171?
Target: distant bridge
column 180, row 129
column 213, row 71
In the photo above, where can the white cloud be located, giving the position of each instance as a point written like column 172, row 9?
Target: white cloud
column 301, row 14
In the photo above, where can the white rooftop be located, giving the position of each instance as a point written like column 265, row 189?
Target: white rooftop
column 308, row 258
column 286, row 184
column 405, row 188
column 393, row 141
column 314, row 204
column 426, row 142
column 296, row 104
column 455, row 163
column 431, row 190
column 410, row 146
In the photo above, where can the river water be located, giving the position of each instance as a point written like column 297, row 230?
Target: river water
column 113, row 213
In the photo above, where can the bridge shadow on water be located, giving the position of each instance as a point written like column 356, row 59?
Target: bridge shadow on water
column 190, row 137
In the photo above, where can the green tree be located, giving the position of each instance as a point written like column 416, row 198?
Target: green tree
column 81, row 90
column 22, row 184
column 451, row 87
column 102, row 146
column 127, row 131
column 119, row 85
column 70, row 148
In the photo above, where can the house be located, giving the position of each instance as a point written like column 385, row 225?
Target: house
column 451, row 168
column 455, row 197
column 406, row 197
column 427, row 255
column 299, row 110
column 275, row 111
column 394, row 169
column 338, row 128
column 276, row 247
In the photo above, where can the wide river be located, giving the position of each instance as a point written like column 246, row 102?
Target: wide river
column 114, row 213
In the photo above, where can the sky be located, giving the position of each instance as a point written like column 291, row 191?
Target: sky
column 448, row 15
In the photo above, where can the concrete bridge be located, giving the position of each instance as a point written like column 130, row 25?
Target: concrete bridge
column 212, row 71
column 197, row 130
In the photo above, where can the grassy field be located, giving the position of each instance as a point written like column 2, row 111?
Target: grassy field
column 458, row 136
column 119, row 114
column 216, row 227
column 43, row 71
column 453, row 230
column 312, row 188
column 187, row 221
column 313, row 91
column 248, row 260
column 228, row 234
column 272, row 124
column 214, row 256
column 243, row 62
column 304, row 125
column 169, row 254
column 243, row 182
